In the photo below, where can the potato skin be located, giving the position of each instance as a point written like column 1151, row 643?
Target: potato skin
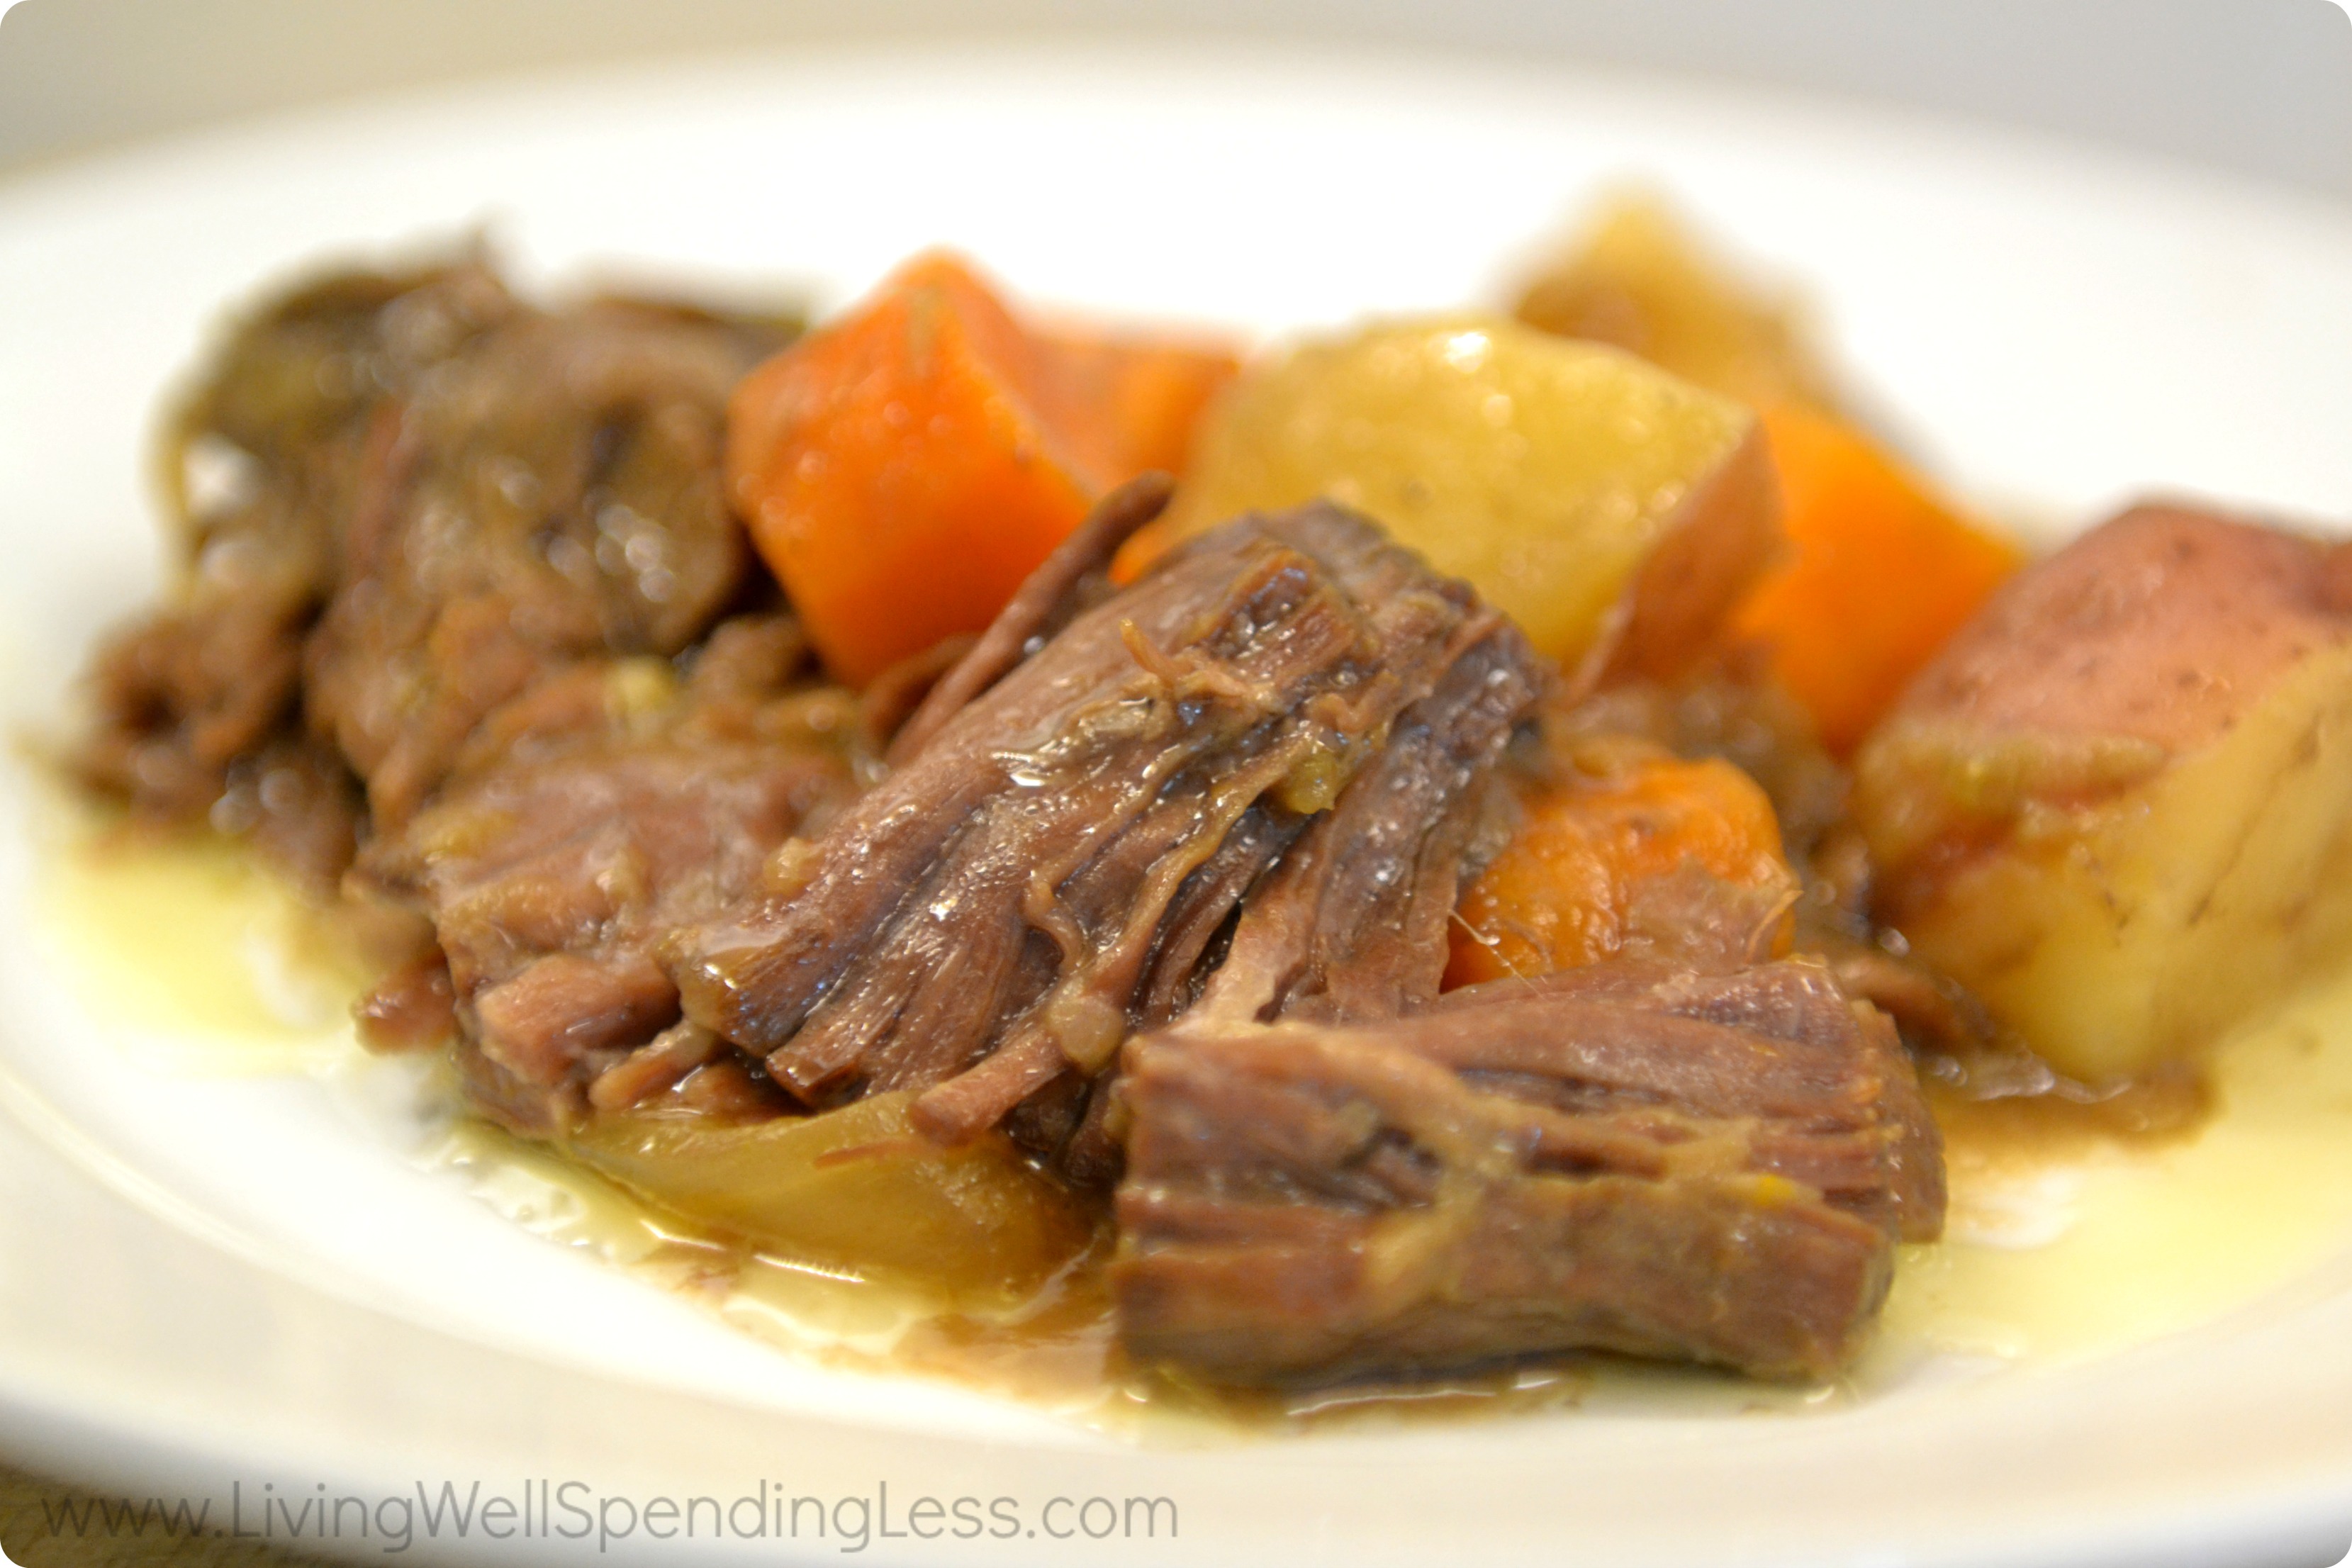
column 2118, row 804
column 2160, row 625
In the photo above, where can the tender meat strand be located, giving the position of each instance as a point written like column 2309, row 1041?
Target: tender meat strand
column 1049, row 600
column 1351, row 925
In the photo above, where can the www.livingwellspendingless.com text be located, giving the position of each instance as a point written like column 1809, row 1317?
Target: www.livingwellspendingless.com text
column 572, row 1511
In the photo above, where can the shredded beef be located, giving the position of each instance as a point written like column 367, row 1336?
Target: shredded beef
column 1351, row 925
column 1709, row 1167
column 447, row 551
column 1048, row 870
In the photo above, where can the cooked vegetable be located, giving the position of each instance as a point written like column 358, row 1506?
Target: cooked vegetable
column 1640, row 280
column 1610, row 510
column 1881, row 573
column 1639, row 853
column 903, row 469
column 2119, row 804
column 856, row 1190
column 1138, row 399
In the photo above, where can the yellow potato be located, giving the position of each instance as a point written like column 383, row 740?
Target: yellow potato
column 1614, row 512
column 856, row 1191
column 2119, row 804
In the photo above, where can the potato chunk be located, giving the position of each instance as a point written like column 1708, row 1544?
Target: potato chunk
column 855, row 1190
column 2119, row 803
column 1613, row 510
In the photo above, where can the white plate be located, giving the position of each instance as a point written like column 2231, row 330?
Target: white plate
column 211, row 1281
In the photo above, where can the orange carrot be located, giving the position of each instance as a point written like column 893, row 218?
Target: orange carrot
column 1145, row 398
column 903, row 468
column 1880, row 575
column 1647, row 855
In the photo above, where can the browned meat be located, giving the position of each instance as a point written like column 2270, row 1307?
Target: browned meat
column 1936, row 1015
column 411, row 499
column 1350, row 923
column 441, row 538
column 1048, row 870
column 414, row 1008
column 891, row 701
column 1711, row 1167
column 553, row 494
column 297, row 805
column 263, row 464
column 551, row 875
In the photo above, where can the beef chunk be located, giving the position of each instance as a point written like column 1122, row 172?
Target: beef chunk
column 1048, row 868
column 410, row 499
column 553, row 494
column 1708, row 1167
column 447, row 549
column 264, row 464
column 297, row 804
column 413, row 1008
column 607, row 810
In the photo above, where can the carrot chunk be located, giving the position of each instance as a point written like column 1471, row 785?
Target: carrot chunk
column 1881, row 573
column 1650, row 856
column 1138, row 400
column 903, row 468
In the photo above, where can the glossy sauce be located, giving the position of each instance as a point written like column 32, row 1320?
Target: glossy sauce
column 191, row 955
column 2066, row 1239
column 2074, row 1231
